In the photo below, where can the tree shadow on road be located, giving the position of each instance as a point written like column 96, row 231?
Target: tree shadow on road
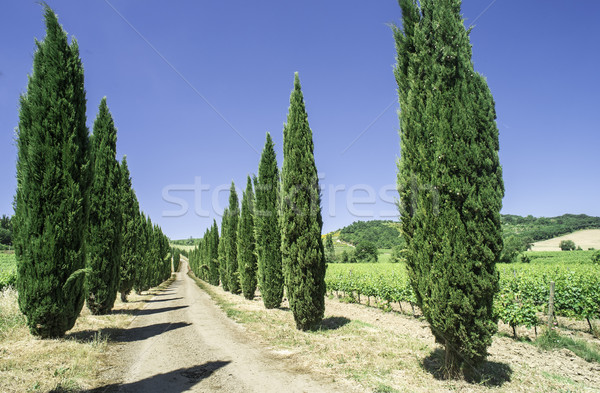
column 125, row 335
column 163, row 300
column 175, row 381
column 489, row 374
column 149, row 311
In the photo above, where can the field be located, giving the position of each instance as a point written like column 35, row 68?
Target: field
column 589, row 238
column 8, row 269
column 524, row 287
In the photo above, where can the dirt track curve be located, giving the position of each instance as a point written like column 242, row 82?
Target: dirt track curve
column 182, row 342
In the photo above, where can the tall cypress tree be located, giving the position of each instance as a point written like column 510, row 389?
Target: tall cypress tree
column 449, row 180
column 223, row 244
column 51, row 202
column 106, row 217
column 130, row 252
column 233, row 216
column 214, row 254
column 301, row 221
column 247, row 243
column 268, row 231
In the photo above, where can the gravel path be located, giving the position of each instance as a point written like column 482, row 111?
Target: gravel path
column 182, row 342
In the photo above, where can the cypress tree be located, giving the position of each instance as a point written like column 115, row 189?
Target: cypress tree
column 223, row 243
column 51, row 202
column 214, row 255
column 247, row 244
column 130, row 253
column 268, row 232
column 449, row 180
column 233, row 216
column 106, row 217
column 301, row 221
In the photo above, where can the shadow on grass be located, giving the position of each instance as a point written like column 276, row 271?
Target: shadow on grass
column 176, row 381
column 488, row 374
column 333, row 323
column 149, row 311
column 125, row 335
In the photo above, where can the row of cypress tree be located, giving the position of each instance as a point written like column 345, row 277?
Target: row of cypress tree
column 274, row 240
column 79, row 233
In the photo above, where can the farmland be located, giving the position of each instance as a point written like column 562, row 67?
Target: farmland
column 577, row 286
column 8, row 269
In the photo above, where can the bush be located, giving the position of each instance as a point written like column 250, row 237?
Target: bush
column 567, row 245
column 596, row 258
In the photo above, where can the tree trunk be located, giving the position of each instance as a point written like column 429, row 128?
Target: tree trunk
column 452, row 363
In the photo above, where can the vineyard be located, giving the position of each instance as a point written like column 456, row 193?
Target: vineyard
column 8, row 270
column 524, row 287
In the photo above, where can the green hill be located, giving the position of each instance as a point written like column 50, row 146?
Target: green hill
column 386, row 234
column 543, row 228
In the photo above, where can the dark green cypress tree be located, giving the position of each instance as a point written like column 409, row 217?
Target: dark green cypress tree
column 176, row 258
column 214, row 255
column 268, row 231
column 301, row 221
column 141, row 270
column 51, row 202
column 106, row 217
column 223, row 244
column 246, row 244
column 449, row 180
column 130, row 253
column 233, row 216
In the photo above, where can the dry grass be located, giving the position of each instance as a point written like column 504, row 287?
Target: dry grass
column 70, row 364
column 589, row 238
column 379, row 351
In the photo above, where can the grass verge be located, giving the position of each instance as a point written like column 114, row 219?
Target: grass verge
column 70, row 364
column 552, row 340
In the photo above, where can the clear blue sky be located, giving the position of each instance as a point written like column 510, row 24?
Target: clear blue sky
column 200, row 104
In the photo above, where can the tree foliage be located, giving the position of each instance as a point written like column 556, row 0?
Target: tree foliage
column 268, row 230
column 233, row 216
column 301, row 221
column 449, row 179
column 246, row 244
column 567, row 245
column 51, row 203
column 106, row 217
column 384, row 234
column 131, row 254
column 366, row 252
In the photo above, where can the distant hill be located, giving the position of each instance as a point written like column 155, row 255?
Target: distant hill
column 587, row 238
column 543, row 228
column 386, row 234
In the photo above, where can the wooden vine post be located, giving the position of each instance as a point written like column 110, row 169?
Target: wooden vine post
column 551, row 305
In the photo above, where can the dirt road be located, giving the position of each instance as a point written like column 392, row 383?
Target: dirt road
column 182, row 342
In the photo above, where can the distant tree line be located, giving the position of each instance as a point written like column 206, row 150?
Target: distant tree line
column 273, row 240
column 78, row 232
column 543, row 228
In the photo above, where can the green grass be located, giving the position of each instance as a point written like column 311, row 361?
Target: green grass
column 583, row 349
column 8, row 269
